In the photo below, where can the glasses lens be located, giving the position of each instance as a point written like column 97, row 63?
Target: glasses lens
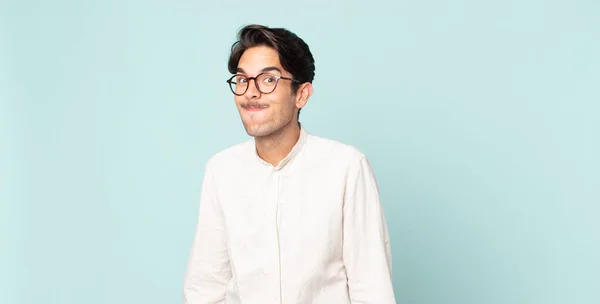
column 238, row 84
column 266, row 82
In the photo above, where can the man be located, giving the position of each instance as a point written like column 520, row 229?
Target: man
column 286, row 217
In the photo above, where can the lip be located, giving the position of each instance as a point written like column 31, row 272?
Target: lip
column 254, row 109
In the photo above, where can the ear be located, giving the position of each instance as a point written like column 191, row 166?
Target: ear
column 303, row 94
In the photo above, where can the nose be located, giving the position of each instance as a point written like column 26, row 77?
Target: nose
column 252, row 91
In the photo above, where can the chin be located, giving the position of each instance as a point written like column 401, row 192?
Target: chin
column 259, row 130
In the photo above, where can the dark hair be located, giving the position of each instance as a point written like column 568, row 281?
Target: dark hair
column 294, row 54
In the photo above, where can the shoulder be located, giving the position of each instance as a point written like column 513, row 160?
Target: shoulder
column 230, row 157
column 333, row 151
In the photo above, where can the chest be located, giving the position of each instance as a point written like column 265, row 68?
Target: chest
column 264, row 206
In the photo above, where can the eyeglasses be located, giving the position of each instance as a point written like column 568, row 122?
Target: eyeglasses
column 265, row 83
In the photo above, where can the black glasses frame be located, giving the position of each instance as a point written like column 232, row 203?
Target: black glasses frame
column 231, row 83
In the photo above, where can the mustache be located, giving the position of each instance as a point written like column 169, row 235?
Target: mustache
column 254, row 105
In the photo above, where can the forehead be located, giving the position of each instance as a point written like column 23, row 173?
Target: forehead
column 257, row 58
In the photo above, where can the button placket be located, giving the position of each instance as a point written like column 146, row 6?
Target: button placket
column 278, row 230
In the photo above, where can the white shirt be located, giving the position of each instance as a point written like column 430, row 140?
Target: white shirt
column 308, row 231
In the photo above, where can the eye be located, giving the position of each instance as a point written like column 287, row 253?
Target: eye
column 269, row 79
column 241, row 80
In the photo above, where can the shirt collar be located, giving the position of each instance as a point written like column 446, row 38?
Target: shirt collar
column 295, row 150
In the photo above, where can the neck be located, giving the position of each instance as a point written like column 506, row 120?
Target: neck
column 275, row 147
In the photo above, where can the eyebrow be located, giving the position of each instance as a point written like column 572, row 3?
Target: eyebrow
column 267, row 69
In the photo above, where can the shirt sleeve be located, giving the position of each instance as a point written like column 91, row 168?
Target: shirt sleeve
column 208, row 269
column 366, row 246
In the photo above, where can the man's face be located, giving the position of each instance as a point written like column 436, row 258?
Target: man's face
column 265, row 114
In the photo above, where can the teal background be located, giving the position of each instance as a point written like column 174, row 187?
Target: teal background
column 481, row 120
